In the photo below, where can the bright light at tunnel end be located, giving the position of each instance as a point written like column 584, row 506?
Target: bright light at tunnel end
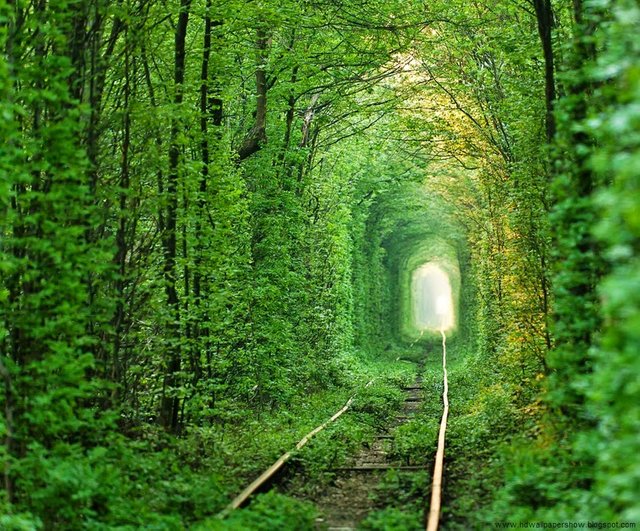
column 432, row 297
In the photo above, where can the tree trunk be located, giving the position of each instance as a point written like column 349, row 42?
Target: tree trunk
column 170, row 404
column 121, row 234
column 544, row 16
column 258, row 134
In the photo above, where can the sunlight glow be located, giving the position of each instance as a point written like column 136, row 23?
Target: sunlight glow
column 432, row 298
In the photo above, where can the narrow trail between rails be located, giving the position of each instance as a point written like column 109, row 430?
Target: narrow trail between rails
column 352, row 495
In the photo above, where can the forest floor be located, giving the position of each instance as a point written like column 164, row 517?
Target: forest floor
column 369, row 470
column 357, row 486
column 386, row 481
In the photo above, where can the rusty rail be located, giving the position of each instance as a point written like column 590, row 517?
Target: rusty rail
column 241, row 498
column 436, row 485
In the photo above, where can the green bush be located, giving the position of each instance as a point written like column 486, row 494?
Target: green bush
column 267, row 512
column 393, row 519
column 415, row 442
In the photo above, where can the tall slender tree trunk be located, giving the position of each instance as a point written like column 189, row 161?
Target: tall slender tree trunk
column 544, row 16
column 121, row 233
column 210, row 108
column 170, row 404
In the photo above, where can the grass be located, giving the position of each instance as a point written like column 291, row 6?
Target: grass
column 251, row 449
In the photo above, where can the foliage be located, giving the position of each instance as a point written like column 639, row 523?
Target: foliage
column 268, row 511
column 210, row 214
column 393, row 519
column 402, row 497
column 558, row 464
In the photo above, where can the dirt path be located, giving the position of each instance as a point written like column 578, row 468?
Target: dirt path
column 351, row 498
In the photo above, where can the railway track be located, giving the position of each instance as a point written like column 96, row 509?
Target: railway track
column 433, row 519
column 348, row 500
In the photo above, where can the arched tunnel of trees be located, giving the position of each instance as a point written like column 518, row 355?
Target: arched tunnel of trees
column 222, row 222
column 424, row 233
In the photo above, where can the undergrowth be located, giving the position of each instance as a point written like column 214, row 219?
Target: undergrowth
column 309, row 470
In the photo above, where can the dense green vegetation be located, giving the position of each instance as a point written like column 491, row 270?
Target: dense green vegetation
column 210, row 213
